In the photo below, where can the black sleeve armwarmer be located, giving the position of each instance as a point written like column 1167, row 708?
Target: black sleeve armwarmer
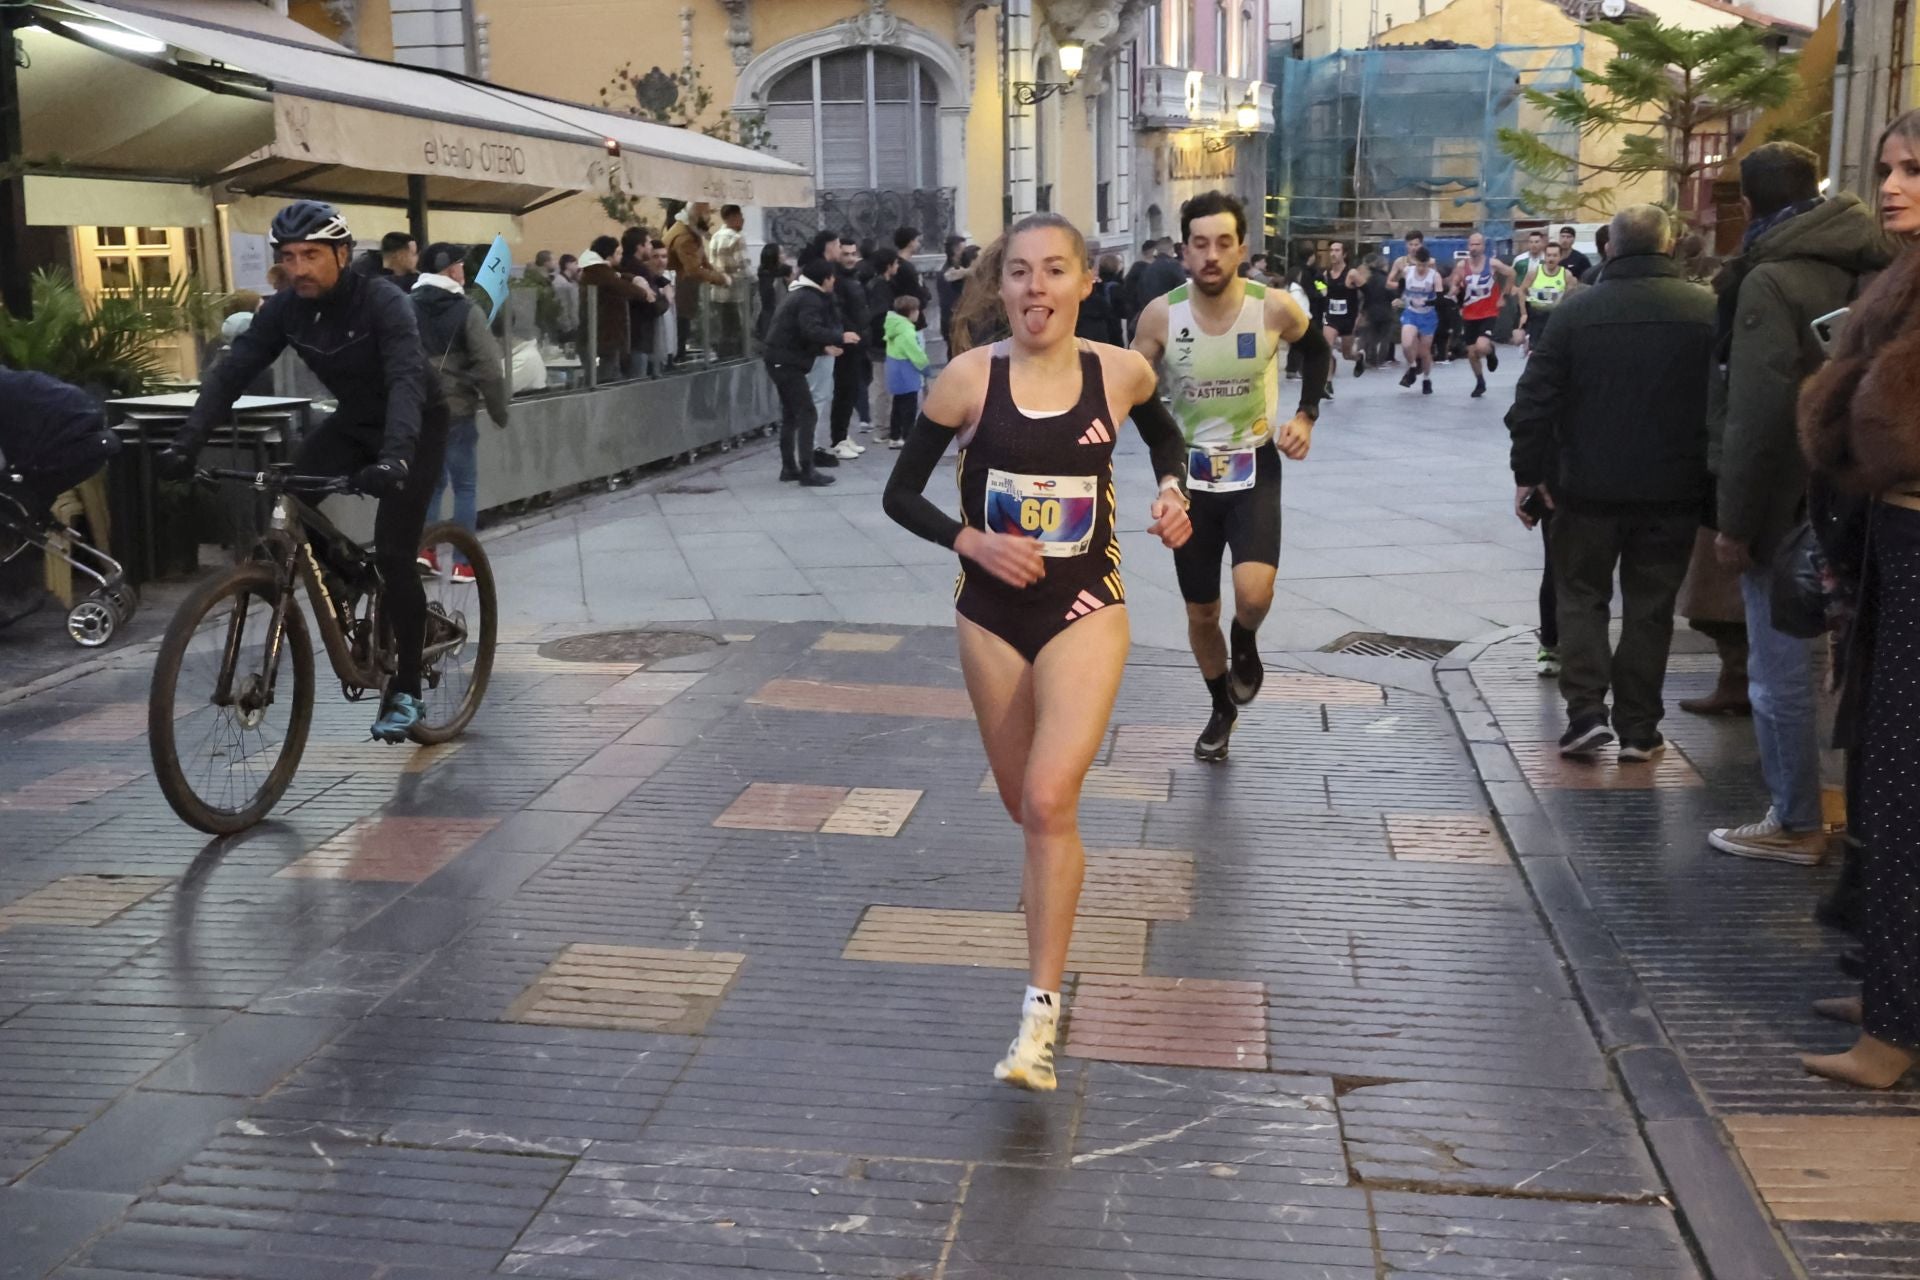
column 1165, row 443
column 905, row 499
column 1316, row 366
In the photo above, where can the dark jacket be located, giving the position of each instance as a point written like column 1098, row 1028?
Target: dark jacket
column 1163, row 275
column 1100, row 314
column 1792, row 274
column 806, row 324
column 908, row 284
column 1131, row 296
column 612, row 336
column 879, row 303
column 363, row 343
column 643, row 318
column 461, row 349
column 850, row 295
column 48, row 426
column 1611, row 412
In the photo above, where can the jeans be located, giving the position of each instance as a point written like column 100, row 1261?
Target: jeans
column 1652, row 551
column 463, row 473
column 852, row 374
column 820, row 386
column 1780, row 686
column 906, row 407
column 798, row 417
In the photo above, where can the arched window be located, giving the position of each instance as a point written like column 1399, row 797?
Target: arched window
column 863, row 118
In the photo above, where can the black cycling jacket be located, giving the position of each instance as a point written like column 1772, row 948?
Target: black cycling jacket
column 361, row 340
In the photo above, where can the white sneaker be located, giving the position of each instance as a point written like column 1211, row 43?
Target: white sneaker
column 845, row 450
column 1029, row 1060
column 1771, row 842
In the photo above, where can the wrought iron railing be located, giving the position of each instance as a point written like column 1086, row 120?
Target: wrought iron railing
column 871, row 214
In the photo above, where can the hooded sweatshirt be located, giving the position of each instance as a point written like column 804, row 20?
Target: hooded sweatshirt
column 460, row 348
column 1791, row 274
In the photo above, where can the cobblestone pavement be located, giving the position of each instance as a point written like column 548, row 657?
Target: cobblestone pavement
column 700, row 969
column 1723, row 951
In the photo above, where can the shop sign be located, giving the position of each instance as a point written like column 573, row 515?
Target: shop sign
column 1190, row 161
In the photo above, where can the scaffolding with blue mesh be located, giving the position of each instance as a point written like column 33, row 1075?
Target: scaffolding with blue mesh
column 1373, row 141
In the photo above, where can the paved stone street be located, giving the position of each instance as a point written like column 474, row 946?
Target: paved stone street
column 698, row 967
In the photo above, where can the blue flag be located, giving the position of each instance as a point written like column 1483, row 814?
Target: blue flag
column 492, row 275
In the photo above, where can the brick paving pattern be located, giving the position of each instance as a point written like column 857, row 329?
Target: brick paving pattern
column 1729, row 960
column 700, row 970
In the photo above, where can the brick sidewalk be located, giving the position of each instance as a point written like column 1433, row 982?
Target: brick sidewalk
column 700, row 971
column 1725, row 953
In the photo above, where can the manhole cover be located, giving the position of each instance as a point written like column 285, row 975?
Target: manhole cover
column 1376, row 644
column 642, row 647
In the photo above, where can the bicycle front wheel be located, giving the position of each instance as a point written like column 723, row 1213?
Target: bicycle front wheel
column 227, row 721
column 462, row 626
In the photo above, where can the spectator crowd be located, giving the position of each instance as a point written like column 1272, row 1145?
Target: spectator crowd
column 1739, row 444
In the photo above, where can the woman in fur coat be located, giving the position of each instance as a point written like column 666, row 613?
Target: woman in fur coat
column 1860, row 426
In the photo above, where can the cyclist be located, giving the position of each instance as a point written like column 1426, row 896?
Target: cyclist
column 358, row 335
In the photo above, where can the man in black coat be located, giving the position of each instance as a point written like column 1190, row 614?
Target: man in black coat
column 806, row 326
column 1609, row 428
column 852, row 370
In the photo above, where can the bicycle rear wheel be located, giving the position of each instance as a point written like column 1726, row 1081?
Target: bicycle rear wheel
column 462, row 627
column 224, row 758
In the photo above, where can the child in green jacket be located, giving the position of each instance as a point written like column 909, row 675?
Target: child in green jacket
column 906, row 366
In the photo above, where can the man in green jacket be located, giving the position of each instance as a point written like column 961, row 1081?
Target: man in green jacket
column 1803, row 256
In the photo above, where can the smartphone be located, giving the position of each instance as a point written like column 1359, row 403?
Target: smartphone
column 1535, row 508
column 1827, row 329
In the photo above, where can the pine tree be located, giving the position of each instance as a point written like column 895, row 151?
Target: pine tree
column 1666, row 86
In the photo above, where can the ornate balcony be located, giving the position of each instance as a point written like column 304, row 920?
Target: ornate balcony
column 1172, row 98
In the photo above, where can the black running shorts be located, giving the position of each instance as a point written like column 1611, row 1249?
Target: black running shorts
column 1246, row 523
column 1474, row 330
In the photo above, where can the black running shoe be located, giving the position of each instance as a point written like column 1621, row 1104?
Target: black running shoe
column 1493, row 362
column 1426, row 386
column 1245, row 675
column 1212, row 746
column 1359, row 365
column 1479, row 387
column 1406, row 379
column 1585, row 736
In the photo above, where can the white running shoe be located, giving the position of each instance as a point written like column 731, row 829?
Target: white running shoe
column 846, row 450
column 1029, row 1060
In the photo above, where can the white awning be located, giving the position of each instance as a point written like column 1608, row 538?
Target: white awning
column 268, row 117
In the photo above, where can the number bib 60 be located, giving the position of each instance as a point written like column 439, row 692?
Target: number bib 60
column 1055, row 511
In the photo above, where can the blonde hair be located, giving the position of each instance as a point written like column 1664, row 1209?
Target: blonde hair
column 980, row 313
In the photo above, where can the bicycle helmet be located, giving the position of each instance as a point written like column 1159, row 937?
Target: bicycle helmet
column 309, row 220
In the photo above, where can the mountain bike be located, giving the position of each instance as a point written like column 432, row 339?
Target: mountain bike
column 225, row 731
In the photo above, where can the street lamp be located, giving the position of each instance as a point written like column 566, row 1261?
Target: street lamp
column 1073, row 56
column 1247, row 114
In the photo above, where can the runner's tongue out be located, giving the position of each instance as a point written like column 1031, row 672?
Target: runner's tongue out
column 1036, row 319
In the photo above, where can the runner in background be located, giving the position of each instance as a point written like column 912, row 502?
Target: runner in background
column 1217, row 340
column 1478, row 281
column 1420, row 283
column 1341, row 281
column 1546, row 285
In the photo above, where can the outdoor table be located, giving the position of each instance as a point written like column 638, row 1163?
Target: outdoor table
column 264, row 427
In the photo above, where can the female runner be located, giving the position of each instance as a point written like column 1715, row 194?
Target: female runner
column 1041, row 609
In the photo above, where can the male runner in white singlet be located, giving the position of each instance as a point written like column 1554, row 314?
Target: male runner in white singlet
column 1220, row 341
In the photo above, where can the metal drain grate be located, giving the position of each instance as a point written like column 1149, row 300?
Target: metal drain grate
column 1377, row 644
column 641, row 647
column 690, row 486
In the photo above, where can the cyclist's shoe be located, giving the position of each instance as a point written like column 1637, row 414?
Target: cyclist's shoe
column 428, row 561
column 462, row 575
column 400, row 713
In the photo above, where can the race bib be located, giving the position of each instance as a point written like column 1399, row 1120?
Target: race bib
column 1055, row 511
column 1221, row 470
column 1336, row 306
column 1546, row 297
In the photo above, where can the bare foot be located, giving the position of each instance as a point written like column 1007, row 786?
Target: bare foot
column 1871, row 1064
column 1840, row 1009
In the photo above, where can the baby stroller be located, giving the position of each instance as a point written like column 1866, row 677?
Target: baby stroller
column 52, row 437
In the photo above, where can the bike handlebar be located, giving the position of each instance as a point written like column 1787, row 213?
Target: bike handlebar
column 275, row 481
